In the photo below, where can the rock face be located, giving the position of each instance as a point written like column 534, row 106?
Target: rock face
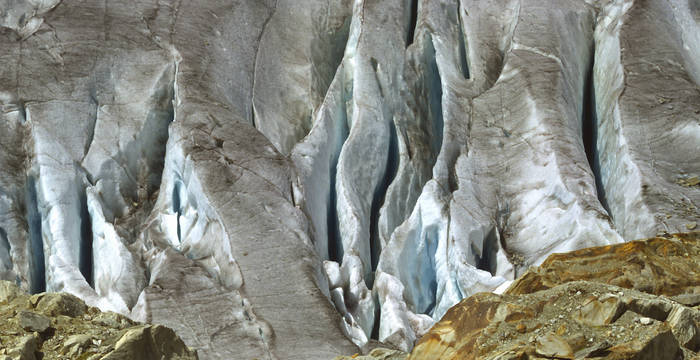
column 668, row 266
column 582, row 316
column 61, row 326
column 294, row 178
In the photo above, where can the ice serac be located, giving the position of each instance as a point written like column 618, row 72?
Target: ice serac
column 16, row 255
column 511, row 183
column 347, row 157
column 25, row 17
column 648, row 129
column 294, row 69
column 545, row 197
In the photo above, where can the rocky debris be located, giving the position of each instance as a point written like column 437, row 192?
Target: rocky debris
column 8, row 291
column 560, row 311
column 76, row 344
column 377, row 354
column 661, row 266
column 61, row 326
column 26, row 348
column 560, row 323
column 689, row 181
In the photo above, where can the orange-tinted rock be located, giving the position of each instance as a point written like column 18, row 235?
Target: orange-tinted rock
column 459, row 329
column 552, row 326
column 661, row 266
column 628, row 301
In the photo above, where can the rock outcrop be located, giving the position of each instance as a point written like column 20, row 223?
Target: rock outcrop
column 668, row 265
column 631, row 303
column 60, row 326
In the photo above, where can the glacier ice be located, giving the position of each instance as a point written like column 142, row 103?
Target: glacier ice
column 645, row 117
column 293, row 179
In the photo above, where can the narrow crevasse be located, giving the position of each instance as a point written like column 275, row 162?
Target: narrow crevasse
column 54, row 192
column 379, row 198
column 87, row 188
column 125, row 178
column 5, row 259
column 416, row 278
column 37, row 269
column 405, row 159
column 411, row 9
column 85, row 262
column 419, row 128
column 463, row 58
column 589, row 132
column 316, row 159
column 358, row 109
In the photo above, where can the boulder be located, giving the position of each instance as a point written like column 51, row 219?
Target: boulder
column 596, row 312
column 76, row 344
column 30, row 321
column 150, row 342
column 27, row 348
column 553, row 346
column 8, row 291
column 54, row 304
column 685, row 324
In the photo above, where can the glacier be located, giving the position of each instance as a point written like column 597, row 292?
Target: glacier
column 299, row 179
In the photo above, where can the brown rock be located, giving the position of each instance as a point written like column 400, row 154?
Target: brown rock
column 64, row 328
column 660, row 266
column 596, row 312
column 112, row 320
column 8, row 291
column 598, row 349
column 54, row 304
column 657, row 309
column 477, row 328
column 658, row 344
column 76, row 344
column 31, row 321
column 377, row 354
column 615, row 302
column 685, row 324
column 150, row 342
column 690, row 299
column 553, row 346
column 27, row 348
column 455, row 336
